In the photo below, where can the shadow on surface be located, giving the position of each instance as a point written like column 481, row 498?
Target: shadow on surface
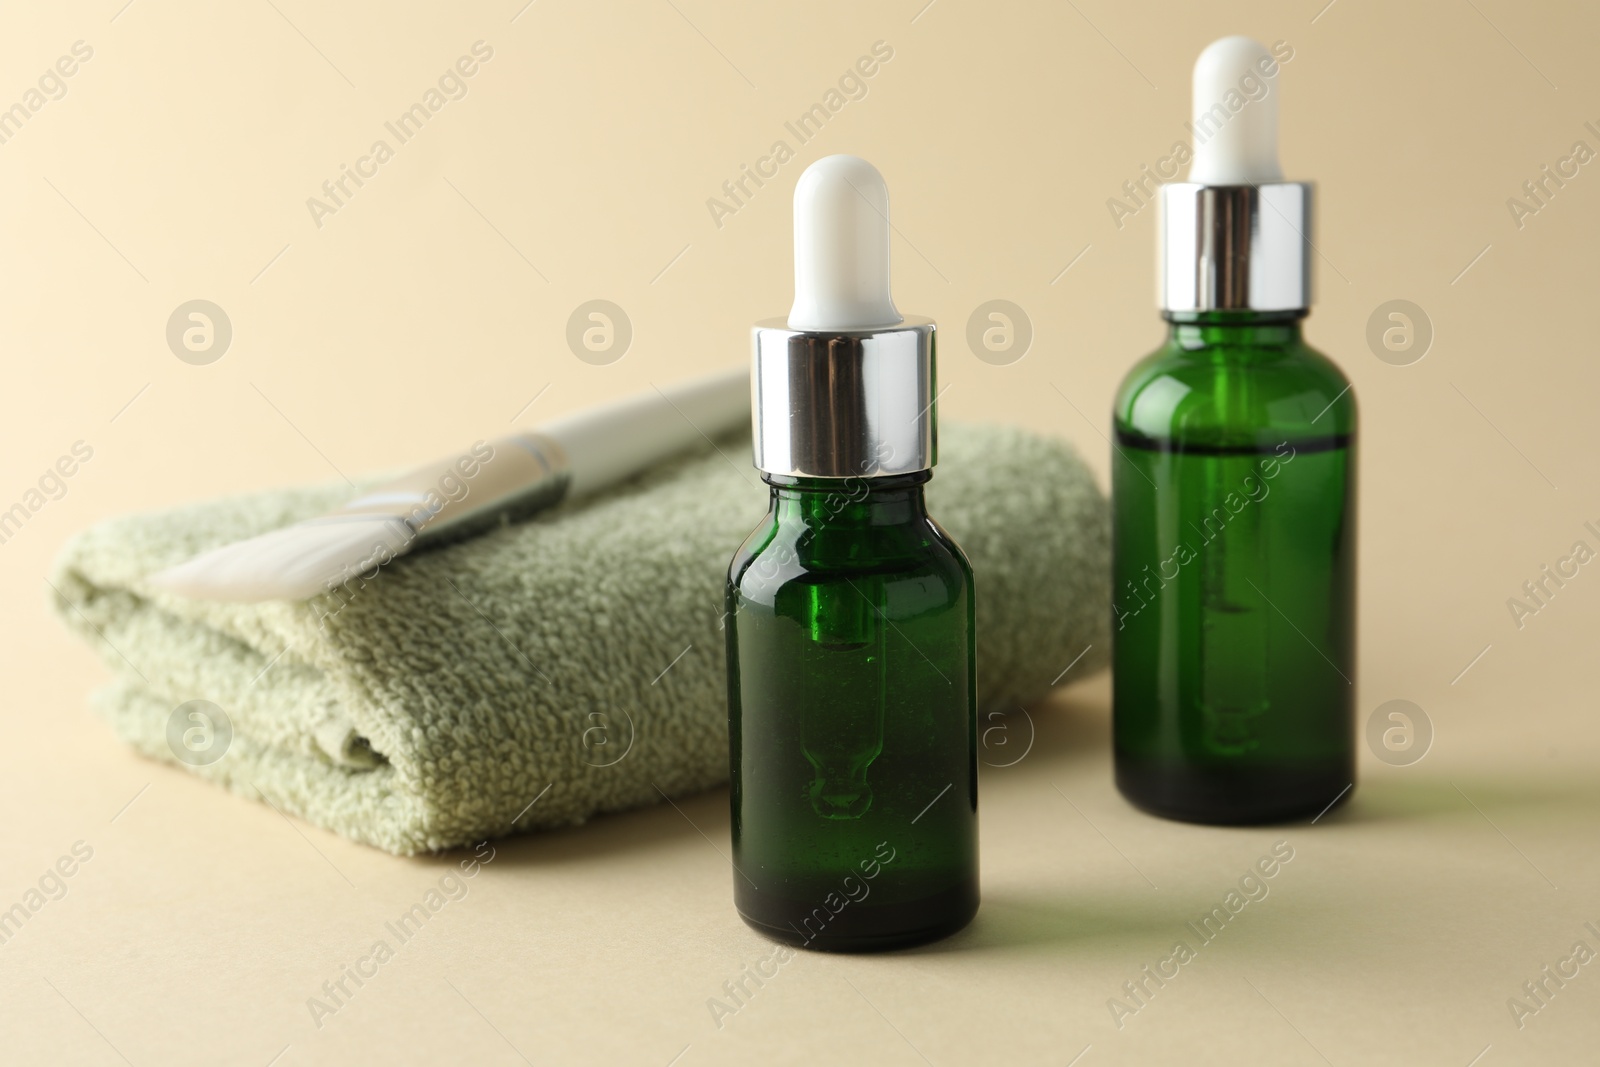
column 663, row 827
column 1010, row 919
column 1400, row 797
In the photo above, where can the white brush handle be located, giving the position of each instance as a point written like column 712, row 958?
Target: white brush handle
column 576, row 456
column 607, row 444
column 508, row 479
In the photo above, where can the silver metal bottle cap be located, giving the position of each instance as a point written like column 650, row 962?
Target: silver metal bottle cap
column 854, row 404
column 1235, row 247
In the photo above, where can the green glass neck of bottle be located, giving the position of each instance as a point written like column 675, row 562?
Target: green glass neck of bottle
column 1234, row 334
column 847, row 502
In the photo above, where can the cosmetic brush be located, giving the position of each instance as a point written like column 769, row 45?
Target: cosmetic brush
column 493, row 482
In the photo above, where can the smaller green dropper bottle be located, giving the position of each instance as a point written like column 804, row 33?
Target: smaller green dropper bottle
column 1234, row 494
column 852, row 704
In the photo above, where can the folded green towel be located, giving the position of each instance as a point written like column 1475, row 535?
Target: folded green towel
column 546, row 671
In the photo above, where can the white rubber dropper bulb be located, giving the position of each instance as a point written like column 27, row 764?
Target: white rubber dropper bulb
column 1235, row 146
column 841, row 248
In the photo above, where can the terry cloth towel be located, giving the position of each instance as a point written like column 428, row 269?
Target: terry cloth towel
column 546, row 671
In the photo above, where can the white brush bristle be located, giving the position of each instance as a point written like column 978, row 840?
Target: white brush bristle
column 294, row 563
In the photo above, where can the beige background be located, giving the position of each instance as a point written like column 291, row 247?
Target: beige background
column 431, row 308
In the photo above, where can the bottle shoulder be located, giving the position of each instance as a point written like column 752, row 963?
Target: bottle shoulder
column 1235, row 394
column 779, row 553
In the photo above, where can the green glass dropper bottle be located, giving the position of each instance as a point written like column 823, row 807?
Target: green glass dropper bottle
column 1234, row 494
column 852, row 706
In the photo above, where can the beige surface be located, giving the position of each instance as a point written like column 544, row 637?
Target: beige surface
column 431, row 308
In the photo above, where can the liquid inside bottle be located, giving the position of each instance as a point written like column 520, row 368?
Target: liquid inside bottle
column 1234, row 574
column 852, row 719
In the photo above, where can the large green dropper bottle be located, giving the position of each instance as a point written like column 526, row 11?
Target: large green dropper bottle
column 1234, row 499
